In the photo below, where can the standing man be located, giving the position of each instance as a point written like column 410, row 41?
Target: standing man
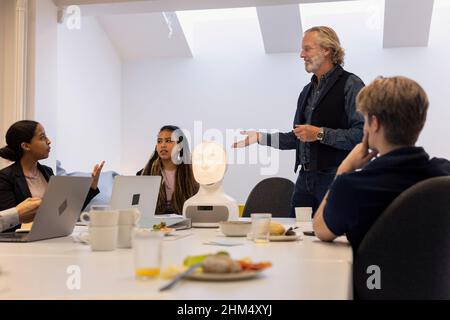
column 326, row 124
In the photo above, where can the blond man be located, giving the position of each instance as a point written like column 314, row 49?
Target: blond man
column 394, row 112
column 326, row 124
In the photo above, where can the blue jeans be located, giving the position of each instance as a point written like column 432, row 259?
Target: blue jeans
column 310, row 188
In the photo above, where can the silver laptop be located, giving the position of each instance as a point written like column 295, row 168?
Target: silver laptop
column 58, row 212
column 139, row 192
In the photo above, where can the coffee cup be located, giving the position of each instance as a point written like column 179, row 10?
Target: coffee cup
column 129, row 216
column 128, row 219
column 101, row 238
column 124, row 236
column 100, row 218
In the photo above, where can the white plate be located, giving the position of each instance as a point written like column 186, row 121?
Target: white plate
column 295, row 237
column 224, row 276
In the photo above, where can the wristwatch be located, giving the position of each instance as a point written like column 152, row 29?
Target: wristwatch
column 320, row 135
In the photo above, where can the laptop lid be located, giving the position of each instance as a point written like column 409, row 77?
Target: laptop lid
column 60, row 207
column 139, row 192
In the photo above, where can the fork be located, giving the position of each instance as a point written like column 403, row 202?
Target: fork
column 180, row 277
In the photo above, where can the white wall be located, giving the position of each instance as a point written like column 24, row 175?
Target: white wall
column 3, row 162
column 89, row 95
column 231, row 83
column 7, row 63
column 6, row 12
column 12, row 40
column 45, row 73
column 2, row 62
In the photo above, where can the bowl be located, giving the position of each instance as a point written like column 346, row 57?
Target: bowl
column 235, row 228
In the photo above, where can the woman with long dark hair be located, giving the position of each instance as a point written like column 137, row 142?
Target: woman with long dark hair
column 171, row 159
column 27, row 143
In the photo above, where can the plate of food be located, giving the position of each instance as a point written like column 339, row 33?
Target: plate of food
column 163, row 228
column 279, row 233
column 221, row 267
column 203, row 276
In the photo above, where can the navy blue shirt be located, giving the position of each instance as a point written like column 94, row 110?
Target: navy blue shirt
column 357, row 199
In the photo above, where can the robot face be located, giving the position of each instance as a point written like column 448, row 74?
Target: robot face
column 209, row 162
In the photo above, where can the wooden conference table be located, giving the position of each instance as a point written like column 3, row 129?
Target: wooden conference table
column 306, row 269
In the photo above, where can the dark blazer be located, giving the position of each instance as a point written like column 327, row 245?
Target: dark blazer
column 14, row 188
column 322, row 156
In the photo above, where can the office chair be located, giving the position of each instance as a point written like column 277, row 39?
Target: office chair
column 271, row 195
column 410, row 246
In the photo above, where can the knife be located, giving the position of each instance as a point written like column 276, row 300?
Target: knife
column 180, row 277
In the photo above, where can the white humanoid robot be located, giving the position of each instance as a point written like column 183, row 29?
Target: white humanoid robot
column 210, row 205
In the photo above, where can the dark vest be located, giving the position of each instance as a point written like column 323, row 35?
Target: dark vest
column 329, row 113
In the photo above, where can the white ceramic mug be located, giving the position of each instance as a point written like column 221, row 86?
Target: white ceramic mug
column 101, row 238
column 100, row 218
column 128, row 219
column 129, row 216
column 125, row 234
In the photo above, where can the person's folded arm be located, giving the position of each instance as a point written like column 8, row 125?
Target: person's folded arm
column 9, row 219
column 320, row 227
column 339, row 208
column 336, row 210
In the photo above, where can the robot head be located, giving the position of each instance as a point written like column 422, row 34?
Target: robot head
column 209, row 162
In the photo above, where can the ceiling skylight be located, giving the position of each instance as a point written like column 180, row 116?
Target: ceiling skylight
column 373, row 10
column 196, row 19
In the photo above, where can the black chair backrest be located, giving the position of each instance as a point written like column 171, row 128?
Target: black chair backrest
column 410, row 244
column 271, row 195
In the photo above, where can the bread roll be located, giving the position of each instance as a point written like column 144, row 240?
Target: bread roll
column 220, row 264
column 276, row 229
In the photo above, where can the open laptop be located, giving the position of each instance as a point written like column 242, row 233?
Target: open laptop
column 139, row 192
column 142, row 192
column 58, row 212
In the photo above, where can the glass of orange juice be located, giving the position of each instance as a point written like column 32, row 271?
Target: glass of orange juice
column 147, row 253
